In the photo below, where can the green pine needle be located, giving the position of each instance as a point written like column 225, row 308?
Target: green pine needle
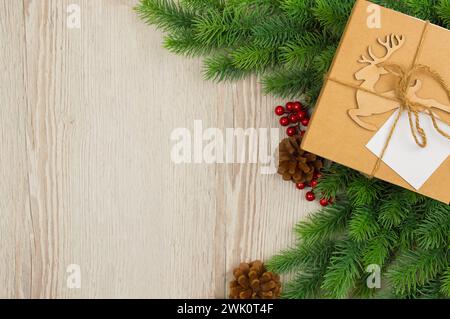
column 445, row 286
column 165, row 14
column 328, row 223
column 344, row 270
column 363, row 224
column 363, row 191
column 413, row 269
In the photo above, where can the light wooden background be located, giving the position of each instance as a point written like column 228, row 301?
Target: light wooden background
column 85, row 170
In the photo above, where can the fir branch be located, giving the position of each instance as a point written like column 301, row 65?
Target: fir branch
column 345, row 268
column 445, row 285
column 301, row 11
column 220, row 67
column 203, row 4
column 334, row 180
column 413, row 269
column 322, row 61
column 184, row 43
column 306, row 285
column 328, row 223
column 222, row 28
column 363, row 191
column 253, row 58
column 434, row 230
column 443, row 11
column 332, row 17
column 165, row 14
column 379, row 248
column 306, row 256
column 288, row 83
column 394, row 209
column 423, row 9
column 275, row 31
column 302, row 51
column 363, row 224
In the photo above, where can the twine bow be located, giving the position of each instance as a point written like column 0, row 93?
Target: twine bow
column 413, row 108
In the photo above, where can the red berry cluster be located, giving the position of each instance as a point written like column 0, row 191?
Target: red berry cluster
column 293, row 115
column 310, row 195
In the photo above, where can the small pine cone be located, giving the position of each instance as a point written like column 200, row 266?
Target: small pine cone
column 296, row 164
column 253, row 281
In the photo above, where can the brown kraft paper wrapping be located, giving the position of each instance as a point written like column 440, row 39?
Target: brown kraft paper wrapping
column 333, row 134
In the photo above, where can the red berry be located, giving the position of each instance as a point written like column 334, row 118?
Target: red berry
column 290, row 106
column 284, row 121
column 279, row 110
column 302, row 114
column 314, row 183
column 317, row 175
column 297, row 106
column 324, row 202
column 305, row 121
column 291, row 131
column 293, row 118
column 310, row 196
column 300, row 185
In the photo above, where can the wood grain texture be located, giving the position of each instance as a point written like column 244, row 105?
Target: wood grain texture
column 86, row 175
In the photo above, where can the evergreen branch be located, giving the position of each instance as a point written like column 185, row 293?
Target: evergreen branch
column 275, row 31
column 322, row 61
column 253, row 58
column 423, row 9
column 363, row 224
column 301, row 11
column 394, row 209
column 332, row 17
column 165, row 14
column 306, row 256
column 204, row 4
column 334, row 180
column 434, row 230
column 303, row 50
column 328, row 223
column 445, row 285
column 288, row 83
column 413, row 269
column 184, row 43
column 363, row 191
column 220, row 67
column 344, row 269
column 378, row 249
column 443, row 11
column 306, row 285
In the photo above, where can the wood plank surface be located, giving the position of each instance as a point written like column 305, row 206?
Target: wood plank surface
column 87, row 178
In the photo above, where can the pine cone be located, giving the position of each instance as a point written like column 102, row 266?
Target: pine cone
column 296, row 164
column 253, row 281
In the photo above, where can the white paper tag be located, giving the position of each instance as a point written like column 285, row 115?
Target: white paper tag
column 413, row 163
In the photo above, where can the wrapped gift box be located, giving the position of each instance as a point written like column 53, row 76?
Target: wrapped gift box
column 350, row 125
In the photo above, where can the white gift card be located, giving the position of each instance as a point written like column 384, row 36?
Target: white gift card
column 413, row 163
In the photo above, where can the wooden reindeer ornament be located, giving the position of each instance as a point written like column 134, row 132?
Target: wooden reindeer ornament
column 379, row 103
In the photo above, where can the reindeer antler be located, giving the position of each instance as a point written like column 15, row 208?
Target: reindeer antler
column 391, row 44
